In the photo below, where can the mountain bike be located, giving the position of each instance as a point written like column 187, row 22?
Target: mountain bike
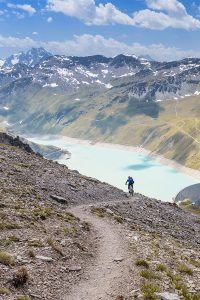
column 130, row 190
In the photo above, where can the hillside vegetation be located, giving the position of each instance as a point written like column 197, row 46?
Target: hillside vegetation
column 173, row 133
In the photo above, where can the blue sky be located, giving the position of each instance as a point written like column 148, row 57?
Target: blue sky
column 163, row 29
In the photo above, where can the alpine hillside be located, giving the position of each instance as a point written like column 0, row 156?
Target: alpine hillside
column 124, row 99
column 67, row 236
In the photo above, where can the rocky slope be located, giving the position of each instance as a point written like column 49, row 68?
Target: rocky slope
column 54, row 236
column 38, row 234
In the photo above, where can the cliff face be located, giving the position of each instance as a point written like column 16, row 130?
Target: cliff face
column 14, row 141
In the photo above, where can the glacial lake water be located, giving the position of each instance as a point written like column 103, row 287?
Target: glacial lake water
column 113, row 165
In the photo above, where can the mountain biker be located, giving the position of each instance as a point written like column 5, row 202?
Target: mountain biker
column 130, row 182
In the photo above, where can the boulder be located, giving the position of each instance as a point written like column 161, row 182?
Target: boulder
column 44, row 258
column 59, row 199
column 168, row 296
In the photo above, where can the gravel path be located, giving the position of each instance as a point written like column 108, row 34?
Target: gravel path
column 106, row 278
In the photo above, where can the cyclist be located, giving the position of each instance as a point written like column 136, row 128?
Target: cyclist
column 130, row 182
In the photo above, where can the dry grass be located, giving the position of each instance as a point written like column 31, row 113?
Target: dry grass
column 184, row 269
column 55, row 247
column 147, row 274
column 7, row 259
column 161, row 267
column 100, row 212
column 149, row 290
column 31, row 253
column 23, row 298
column 35, row 243
column 142, row 263
column 4, row 291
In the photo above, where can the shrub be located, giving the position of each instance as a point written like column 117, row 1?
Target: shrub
column 23, row 298
column 7, row 259
column 142, row 263
column 20, row 277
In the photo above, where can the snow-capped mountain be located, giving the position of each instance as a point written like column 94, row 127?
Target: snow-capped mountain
column 123, row 99
column 141, row 79
column 39, row 75
column 30, row 58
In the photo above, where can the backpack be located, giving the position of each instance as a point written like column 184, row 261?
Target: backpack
column 131, row 180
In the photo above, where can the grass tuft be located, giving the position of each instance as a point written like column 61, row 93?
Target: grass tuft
column 149, row 290
column 142, row 263
column 35, row 243
column 185, row 269
column 7, row 259
column 55, row 247
column 161, row 267
column 31, row 253
column 23, row 298
column 147, row 274
column 4, row 291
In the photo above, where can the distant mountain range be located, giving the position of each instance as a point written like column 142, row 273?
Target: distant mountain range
column 125, row 99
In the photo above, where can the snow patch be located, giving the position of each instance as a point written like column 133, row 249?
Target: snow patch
column 1, row 62
column 6, row 107
column 108, row 86
column 53, row 85
column 15, row 60
column 90, row 74
column 197, row 93
column 127, row 74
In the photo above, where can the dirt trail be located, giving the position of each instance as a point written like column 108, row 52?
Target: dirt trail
column 109, row 277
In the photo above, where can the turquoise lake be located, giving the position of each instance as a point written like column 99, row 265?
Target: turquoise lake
column 113, row 165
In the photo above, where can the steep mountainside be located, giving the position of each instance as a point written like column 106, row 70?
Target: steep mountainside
column 124, row 99
column 66, row 236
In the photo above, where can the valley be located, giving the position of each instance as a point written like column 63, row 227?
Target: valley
column 122, row 100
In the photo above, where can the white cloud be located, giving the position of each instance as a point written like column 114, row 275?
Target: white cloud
column 25, row 7
column 160, row 14
column 169, row 5
column 90, row 45
column 49, row 19
column 34, row 33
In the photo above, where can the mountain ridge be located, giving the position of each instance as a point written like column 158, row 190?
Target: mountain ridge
column 96, row 97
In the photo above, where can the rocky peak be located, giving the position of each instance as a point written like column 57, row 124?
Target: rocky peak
column 30, row 58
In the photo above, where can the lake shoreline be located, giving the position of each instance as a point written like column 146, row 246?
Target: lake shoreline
column 159, row 158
